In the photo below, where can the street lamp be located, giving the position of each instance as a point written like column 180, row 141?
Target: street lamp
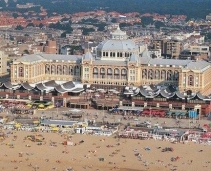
column 150, row 113
column 57, row 107
column 103, row 110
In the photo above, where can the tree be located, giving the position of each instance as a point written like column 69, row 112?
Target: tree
column 124, row 25
column 19, row 27
column 100, row 26
column 86, row 31
column 59, row 26
column 25, row 51
column 114, row 20
column 41, row 25
column 146, row 21
column 15, row 15
column 159, row 24
column 30, row 25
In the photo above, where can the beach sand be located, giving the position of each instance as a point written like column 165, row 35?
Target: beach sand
column 118, row 154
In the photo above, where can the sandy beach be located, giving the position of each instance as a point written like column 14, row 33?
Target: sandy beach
column 118, row 154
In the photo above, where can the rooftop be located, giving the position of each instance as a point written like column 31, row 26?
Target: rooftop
column 50, row 57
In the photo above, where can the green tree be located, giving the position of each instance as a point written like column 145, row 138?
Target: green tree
column 19, row 27
column 146, row 21
column 25, row 51
column 41, row 25
column 100, row 26
column 124, row 25
column 15, row 15
column 114, row 20
column 30, row 25
column 159, row 24
column 86, row 31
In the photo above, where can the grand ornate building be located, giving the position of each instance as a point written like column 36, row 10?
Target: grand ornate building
column 118, row 62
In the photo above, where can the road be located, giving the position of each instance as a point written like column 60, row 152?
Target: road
column 103, row 115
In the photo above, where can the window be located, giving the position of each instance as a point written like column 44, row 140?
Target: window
column 21, row 72
column 204, row 49
column 132, row 78
column 113, row 54
column 190, row 80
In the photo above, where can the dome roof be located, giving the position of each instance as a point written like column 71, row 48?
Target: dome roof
column 121, row 45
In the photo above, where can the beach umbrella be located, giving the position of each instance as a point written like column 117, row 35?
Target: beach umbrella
column 55, row 129
column 17, row 125
column 38, row 128
column 41, row 106
column 36, row 122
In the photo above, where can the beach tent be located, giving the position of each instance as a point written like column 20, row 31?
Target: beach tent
column 17, row 125
column 101, row 159
column 41, row 106
column 75, row 110
column 36, row 122
column 55, row 129
column 192, row 114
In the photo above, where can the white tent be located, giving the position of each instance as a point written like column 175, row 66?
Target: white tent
column 75, row 110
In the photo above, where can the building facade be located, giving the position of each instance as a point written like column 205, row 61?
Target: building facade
column 3, row 64
column 118, row 62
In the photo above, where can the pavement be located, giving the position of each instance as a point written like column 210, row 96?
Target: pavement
column 104, row 115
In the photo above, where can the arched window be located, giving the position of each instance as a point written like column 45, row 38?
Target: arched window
column 169, row 75
column 150, row 74
column 95, row 70
column 144, row 74
column 190, row 80
column 109, row 71
column 53, row 69
column 176, row 75
column 59, row 70
column 157, row 74
column 21, row 72
column 116, row 73
column 47, row 69
column 65, row 70
column 102, row 70
column 76, row 70
column 70, row 70
column 163, row 75
column 123, row 74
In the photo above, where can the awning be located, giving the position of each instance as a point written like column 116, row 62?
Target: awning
column 143, row 91
column 167, row 93
column 180, row 95
column 200, row 96
column 77, row 90
column 51, row 83
column 27, row 86
column 40, row 87
column 68, row 85
column 60, row 89
column 8, row 85
column 149, row 93
column 183, row 95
